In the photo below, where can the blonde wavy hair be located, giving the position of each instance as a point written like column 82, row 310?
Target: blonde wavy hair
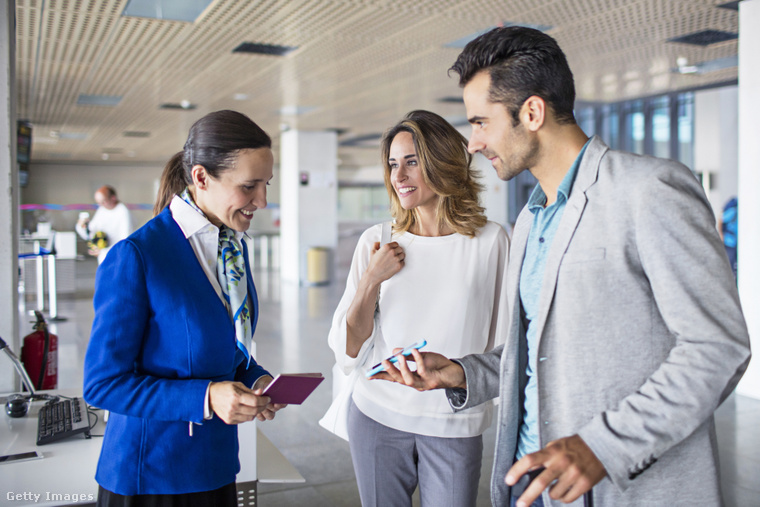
column 445, row 165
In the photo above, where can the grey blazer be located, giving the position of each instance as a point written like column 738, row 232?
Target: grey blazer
column 641, row 335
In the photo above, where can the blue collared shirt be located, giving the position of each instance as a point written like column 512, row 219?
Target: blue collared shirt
column 545, row 223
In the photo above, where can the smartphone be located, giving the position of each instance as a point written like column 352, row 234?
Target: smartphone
column 22, row 456
column 406, row 352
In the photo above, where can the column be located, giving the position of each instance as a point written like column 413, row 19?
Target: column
column 749, row 182
column 308, row 199
column 10, row 195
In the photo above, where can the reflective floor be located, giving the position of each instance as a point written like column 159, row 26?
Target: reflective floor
column 292, row 337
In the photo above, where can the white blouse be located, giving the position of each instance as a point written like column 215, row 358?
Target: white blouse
column 450, row 292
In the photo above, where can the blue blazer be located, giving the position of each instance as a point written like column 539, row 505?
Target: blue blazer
column 160, row 335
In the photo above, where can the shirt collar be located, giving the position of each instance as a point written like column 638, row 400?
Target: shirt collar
column 538, row 197
column 190, row 221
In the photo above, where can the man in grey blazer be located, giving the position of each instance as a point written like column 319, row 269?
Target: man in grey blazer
column 626, row 330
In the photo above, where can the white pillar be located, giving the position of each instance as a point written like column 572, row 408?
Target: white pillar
column 749, row 182
column 308, row 199
column 9, row 195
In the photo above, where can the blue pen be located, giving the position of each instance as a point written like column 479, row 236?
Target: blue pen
column 393, row 359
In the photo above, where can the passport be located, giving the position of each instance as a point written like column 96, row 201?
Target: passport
column 292, row 388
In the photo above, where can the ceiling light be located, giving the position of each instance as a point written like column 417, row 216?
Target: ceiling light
column 264, row 49
column 241, row 96
column 707, row 66
column 98, row 100
column 363, row 141
column 170, row 10
column 73, row 136
column 295, row 110
column 461, row 43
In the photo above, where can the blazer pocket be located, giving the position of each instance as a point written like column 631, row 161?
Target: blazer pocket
column 590, row 255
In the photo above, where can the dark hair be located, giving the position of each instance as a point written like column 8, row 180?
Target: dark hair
column 522, row 62
column 445, row 165
column 213, row 142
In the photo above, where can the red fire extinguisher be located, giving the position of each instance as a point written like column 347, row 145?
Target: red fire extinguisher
column 39, row 354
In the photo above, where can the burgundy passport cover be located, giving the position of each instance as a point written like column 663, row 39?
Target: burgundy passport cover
column 292, row 388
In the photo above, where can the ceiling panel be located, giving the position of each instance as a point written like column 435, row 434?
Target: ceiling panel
column 359, row 64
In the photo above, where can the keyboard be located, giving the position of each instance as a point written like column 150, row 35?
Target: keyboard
column 61, row 419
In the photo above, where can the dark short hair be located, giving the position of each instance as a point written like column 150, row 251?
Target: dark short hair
column 522, row 62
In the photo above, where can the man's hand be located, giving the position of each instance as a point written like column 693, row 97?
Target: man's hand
column 94, row 251
column 569, row 461
column 434, row 371
column 234, row 403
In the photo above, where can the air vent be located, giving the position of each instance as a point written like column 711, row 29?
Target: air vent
column 451, row 100
column 175, row 105
column 112, row 151
column 136, row 133
column 364, row 141
column 99, row 100
column 263, row 49
column 734, row 6
column 705, row 37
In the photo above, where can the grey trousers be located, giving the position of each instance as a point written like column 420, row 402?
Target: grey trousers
column 389, row 464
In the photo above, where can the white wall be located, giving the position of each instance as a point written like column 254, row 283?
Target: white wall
column 75, row 183
column 749, row 178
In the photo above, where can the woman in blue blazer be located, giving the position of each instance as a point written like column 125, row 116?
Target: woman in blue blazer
column 175, row 310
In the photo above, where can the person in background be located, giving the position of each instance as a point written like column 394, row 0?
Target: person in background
column 112, row 219
column 175, row 312
column 729, row 228
column 626, row 330
column 439, row 279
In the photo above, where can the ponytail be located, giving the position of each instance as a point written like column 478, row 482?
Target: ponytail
column 214, row 142
column 172, row 182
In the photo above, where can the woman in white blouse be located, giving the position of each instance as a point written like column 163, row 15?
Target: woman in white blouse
column 440, row 279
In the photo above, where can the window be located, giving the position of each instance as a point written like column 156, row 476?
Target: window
column 633, row 127
column 661, row 126
column 685, row 105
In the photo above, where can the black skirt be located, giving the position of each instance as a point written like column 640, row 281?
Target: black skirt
column 226, row 496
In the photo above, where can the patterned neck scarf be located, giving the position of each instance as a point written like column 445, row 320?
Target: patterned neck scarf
column 230, row 272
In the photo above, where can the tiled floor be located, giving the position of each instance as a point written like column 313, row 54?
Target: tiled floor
column 292, row 337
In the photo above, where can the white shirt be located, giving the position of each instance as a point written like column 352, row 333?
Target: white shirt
column 203, row 237
column 116, row 223
column 450, row 292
